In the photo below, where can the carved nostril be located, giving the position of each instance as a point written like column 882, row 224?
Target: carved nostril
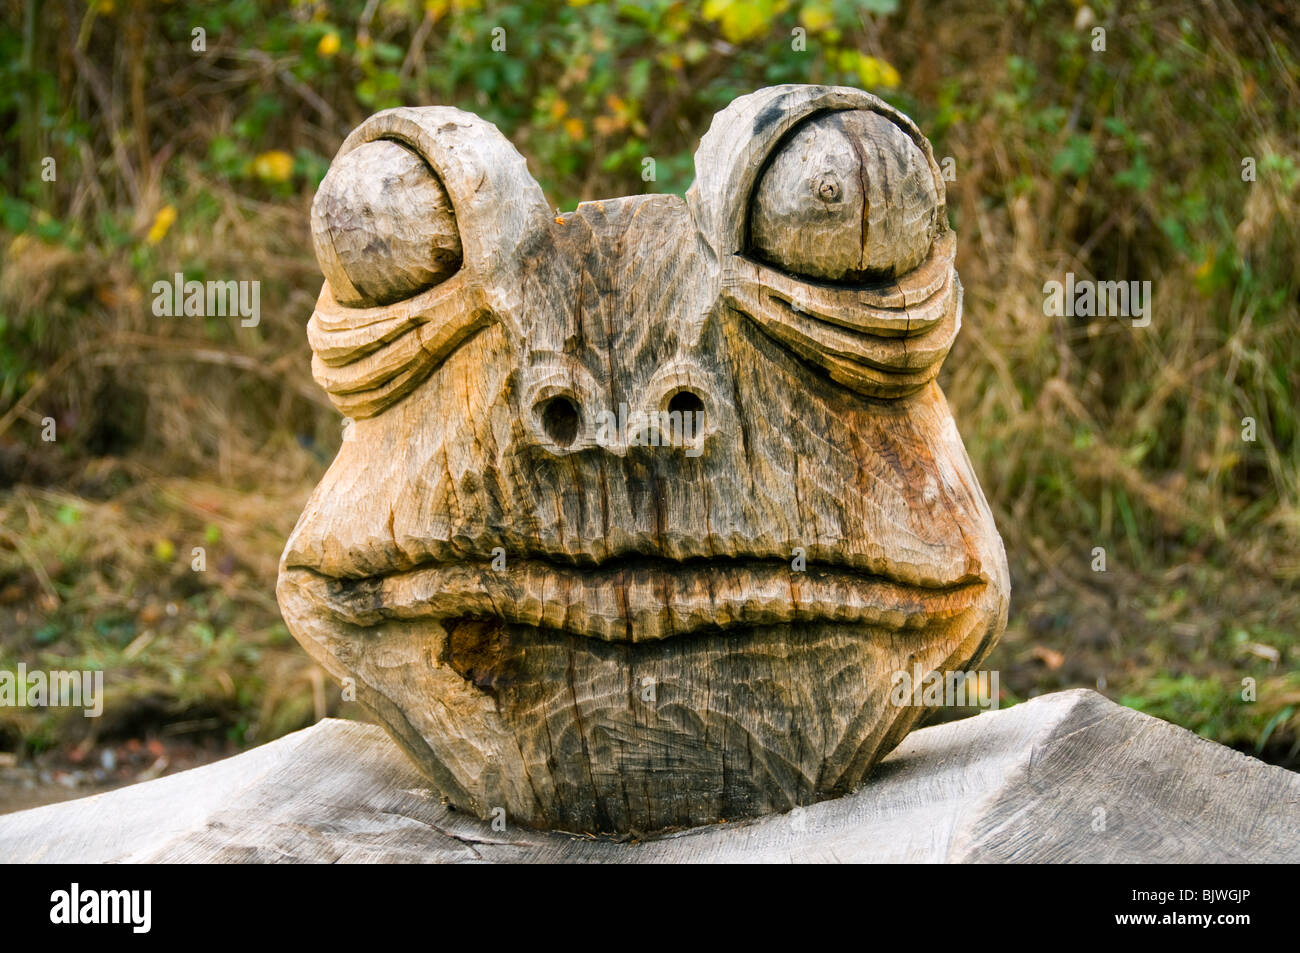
column 560, row 420
column 558, row 404
column 686, row 402
column 682, row 407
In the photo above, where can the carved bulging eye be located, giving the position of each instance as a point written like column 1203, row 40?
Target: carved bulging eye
column 849, row 196
column 383, row 226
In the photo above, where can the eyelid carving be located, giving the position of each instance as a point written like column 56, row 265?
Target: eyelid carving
column 882, row 329
column 906, row 307
column 367, row 359
column 368, row 355
column 886, row 341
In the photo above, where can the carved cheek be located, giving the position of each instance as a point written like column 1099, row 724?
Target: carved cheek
column 849, row 196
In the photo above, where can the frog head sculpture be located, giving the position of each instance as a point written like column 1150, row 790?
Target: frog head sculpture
column 641, row 509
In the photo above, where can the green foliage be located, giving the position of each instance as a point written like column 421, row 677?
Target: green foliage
column 1201, row 705
column 586, row 89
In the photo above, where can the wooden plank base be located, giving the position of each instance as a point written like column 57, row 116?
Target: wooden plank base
column 1066, row 777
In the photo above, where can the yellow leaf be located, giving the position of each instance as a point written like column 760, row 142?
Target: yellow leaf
column 875, row 73
column 161, row 223
column 815, row 17
column 328, row 45
column 273, row 166
column 741, row 20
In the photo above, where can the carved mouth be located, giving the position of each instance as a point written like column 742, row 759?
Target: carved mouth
column 643, row 599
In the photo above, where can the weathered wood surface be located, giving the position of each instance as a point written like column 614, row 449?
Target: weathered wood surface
column 850, row 196
column 383, row 226
column 595, row 631
column 1068, row 777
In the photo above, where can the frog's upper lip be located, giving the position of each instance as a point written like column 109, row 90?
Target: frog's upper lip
column 640, row 600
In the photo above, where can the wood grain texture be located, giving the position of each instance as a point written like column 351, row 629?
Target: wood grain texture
column 1022, row 785
column 560, row 618
column 383, row 226
column 848, row 197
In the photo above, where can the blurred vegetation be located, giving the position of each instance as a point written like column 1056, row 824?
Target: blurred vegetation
column 172, row 154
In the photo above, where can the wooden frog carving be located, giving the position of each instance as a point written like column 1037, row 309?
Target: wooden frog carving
column 642, row 507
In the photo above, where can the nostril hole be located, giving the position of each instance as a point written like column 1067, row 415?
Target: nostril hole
column 685, row 402
column 688, row 407
column 560, row 420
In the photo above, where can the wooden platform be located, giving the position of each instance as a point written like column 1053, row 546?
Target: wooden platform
column 1067, row 777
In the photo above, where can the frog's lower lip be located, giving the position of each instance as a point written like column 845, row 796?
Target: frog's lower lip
column 641, row 601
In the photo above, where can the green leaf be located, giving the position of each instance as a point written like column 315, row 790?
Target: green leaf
column 1075, row 158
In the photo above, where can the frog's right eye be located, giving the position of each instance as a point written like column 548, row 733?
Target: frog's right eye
column 848, row 196
column 383, row 226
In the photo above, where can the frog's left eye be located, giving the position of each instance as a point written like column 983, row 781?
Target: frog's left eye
column 848, row 196
column 383, row 226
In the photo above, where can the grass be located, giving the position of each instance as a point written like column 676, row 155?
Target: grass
column 190, row 642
